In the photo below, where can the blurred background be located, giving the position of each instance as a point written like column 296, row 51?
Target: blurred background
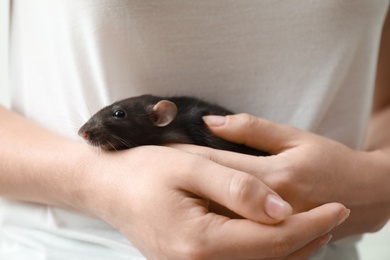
column 372, row 247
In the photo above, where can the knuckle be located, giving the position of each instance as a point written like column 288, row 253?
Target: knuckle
column 241, row 188
column 190, row 163
column 284, row 179
column 247, row 124
column 209, row 154
column 248, row 120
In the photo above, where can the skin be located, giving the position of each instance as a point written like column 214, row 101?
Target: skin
column 309, row 170
column 169, row 220
column 163, row 207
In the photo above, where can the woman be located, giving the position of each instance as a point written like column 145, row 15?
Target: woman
column 306, row 64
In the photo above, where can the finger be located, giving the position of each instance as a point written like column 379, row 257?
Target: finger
column 254, row 132
column 242, row 162
column 310, row 249
column 246, row 239
column 236, row 190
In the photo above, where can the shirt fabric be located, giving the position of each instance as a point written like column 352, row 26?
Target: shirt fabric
column 310, row 64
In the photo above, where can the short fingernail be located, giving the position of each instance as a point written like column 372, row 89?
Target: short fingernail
column 214, row 120
column 277, row 208
column 343, row 216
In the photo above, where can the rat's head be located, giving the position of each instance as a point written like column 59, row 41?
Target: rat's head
column 128, row 123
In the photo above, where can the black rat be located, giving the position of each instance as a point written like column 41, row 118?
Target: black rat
column 153, row 120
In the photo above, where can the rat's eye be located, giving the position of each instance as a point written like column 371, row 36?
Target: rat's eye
column 119, row 114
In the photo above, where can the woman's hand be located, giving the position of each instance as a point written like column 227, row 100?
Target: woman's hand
column 158, row 197
column 307, row 170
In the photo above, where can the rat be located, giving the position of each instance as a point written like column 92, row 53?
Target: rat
column 154, row 120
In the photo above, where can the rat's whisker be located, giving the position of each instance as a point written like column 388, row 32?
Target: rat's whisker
column 113, row 147
column 123, row 141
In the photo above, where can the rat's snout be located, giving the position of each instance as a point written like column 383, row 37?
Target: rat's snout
column 92, row 133
column 85, row 132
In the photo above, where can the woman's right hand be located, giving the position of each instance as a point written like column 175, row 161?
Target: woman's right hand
column 158, row 198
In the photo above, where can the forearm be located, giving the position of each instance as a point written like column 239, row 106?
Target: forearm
column 378, row 138
column 37, row 165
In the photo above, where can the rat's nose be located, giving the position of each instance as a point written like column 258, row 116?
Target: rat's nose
column 84, row 134
column 88, row 131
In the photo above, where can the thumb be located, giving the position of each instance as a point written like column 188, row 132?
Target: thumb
column 237, row 191
column 253, row 132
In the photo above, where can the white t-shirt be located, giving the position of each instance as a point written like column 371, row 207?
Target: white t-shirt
column 310, row 64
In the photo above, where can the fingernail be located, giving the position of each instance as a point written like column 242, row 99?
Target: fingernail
column 277, row 208
column 343, row 216
column 214, row 120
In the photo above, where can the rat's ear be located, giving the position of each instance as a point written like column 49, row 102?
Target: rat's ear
column 164, row 112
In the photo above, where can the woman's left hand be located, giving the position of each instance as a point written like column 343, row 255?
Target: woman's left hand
column 307, row 170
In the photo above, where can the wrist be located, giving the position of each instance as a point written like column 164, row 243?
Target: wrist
column 98, row 182
column 85, row 181
column 67, row 177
